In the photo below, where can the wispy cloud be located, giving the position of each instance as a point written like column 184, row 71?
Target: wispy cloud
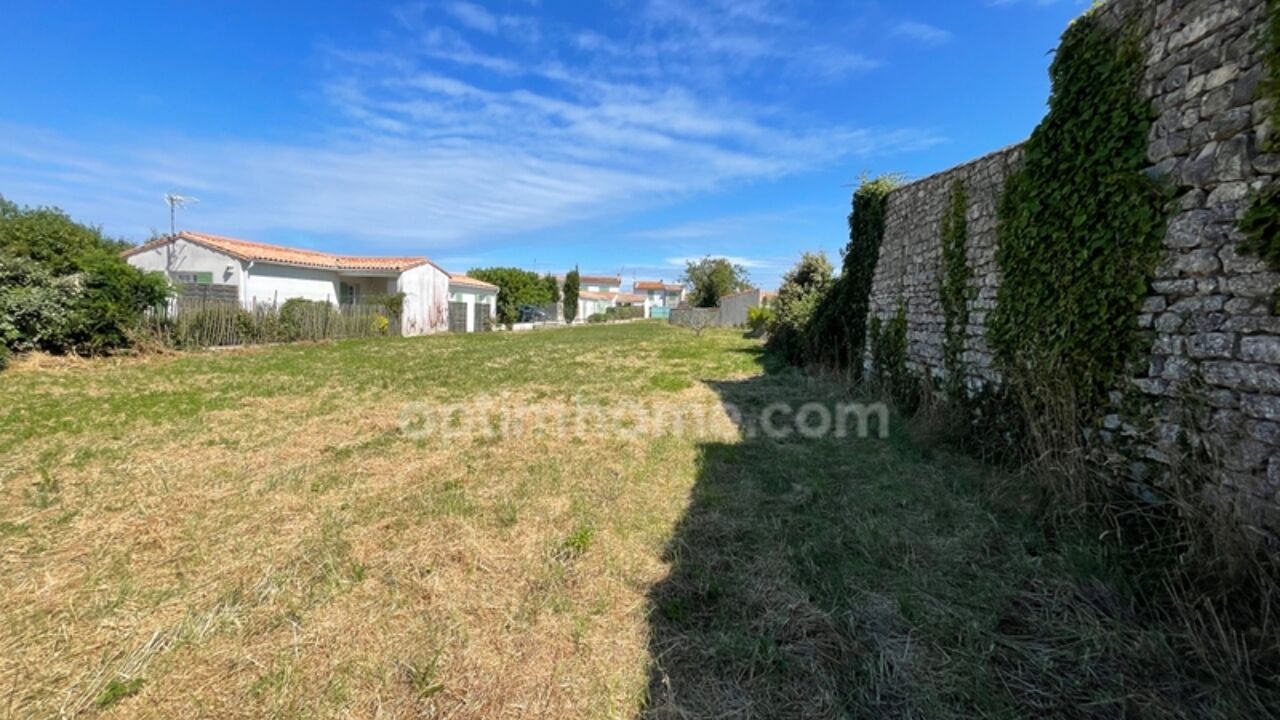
column 437, row 140
column 922, row 32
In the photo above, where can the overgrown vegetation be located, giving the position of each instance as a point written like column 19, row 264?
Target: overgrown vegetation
column 1080, row 224
column 64, row 287
column 837, row 333
column 803, row 287
column 193, row 324
column 953, row 287
column 1261, row 223
column 889, row 371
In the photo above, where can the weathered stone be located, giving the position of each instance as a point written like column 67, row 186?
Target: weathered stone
column 1267, row 164
column 1260, row 348
column 1203, row 261
column 1154, row 304
column 1199, row 304
column 1174, row 287
column 1231, row 160
column 1256, row 285
column 1191, row 229
column 1244, row 376
column 1263, row 431
column 1168, row 322
column 1229, row 192
column 1211, row 345
column 1266, row 407
column 1234, row 262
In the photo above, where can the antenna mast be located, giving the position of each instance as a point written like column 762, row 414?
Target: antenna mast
column 175, row 202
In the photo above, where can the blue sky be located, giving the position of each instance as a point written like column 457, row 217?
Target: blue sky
column 617, row 136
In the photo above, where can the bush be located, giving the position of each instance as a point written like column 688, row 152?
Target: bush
column 64, row 286
column 597, row 318
column 623, row 312
column 759, row 319
column 802, row 289
column 4, row 357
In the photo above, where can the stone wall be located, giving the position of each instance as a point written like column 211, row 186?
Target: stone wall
column 1216, row 338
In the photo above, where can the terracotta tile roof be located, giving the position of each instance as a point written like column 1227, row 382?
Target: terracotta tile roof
column 629, row 297
column 279, row 254
column 656, row 285
column 600, row 280
column 460, row 279
column 593, row 295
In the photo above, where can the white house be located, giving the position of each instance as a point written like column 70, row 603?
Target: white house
column 254, row 273
column 599, row 283
column 658, row 294
column 470, row 302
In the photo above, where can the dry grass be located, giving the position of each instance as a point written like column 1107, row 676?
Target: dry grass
column 251, row 535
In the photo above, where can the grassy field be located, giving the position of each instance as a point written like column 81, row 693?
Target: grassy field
column 252, row 534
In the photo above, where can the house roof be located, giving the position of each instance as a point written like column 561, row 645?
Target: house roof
column 460, row 279
column 600, row 280
column 593, row 295
column 281, row 255
column 629, row 297
column 657, row 285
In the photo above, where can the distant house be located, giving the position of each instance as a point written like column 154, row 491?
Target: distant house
column 600, row 283
column 472, row 303
column 734, row 306
column 659, row 296
column 592, row 302
column 253, row 273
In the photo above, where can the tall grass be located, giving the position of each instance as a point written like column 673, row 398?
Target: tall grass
column 197, row 323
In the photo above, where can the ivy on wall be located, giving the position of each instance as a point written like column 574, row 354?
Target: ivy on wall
column 888, row 341
column 1080, row 224
column 837, row 336
column 1261, row 223
column 953, row 286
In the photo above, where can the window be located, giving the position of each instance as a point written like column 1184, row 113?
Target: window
column 348, row 294
column 193, row 278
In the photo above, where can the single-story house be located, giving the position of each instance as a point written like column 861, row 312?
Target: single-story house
column 592, row 302
column 473, row 304
column 659, row 294
column 734, row 306
column 254, row 273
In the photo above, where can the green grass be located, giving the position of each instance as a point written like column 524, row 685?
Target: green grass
column 252, row 533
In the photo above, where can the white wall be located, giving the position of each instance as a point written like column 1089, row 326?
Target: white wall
column 426, row 300
column 473, row 296
column 182, row 256
column 266, row 283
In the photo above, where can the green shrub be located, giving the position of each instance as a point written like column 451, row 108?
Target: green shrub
column 953, row 287
column 4, row 357
column 1261, row 222
column 623, row 312
column 759, row 319
column 802, row 289
column 65, row 287
column 597, row 318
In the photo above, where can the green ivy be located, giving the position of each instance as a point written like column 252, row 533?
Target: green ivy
column 1080, row 224
column 1261, row 223
column 953, row 287
column 837, row 335
column 888, row 341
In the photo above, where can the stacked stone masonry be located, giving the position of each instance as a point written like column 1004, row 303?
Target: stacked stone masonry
column 1210, row 311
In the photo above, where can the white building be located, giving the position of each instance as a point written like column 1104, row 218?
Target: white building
column 658, row 294
column 254, row 273
column 479, row 298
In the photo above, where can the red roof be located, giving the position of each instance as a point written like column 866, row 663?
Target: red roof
column 279, row 254
column 600, row 280
column 593, row 295
column 460, row 279
column 657, row 285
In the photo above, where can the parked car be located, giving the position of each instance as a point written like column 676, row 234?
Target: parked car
column 531, row 313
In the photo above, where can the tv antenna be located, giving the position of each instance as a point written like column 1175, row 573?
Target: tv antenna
column 175, row 202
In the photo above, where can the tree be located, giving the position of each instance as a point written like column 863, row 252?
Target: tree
column 66, row 288
column 710, row 279
column 803, row 287
column 553, row 287
column 572, row 284
column 516, row 287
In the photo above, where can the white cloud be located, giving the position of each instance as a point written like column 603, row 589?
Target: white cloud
column 922, row 32
column 473, row 16
column 438, row 144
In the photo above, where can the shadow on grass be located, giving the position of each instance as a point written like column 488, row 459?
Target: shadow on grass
column 853, row 578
